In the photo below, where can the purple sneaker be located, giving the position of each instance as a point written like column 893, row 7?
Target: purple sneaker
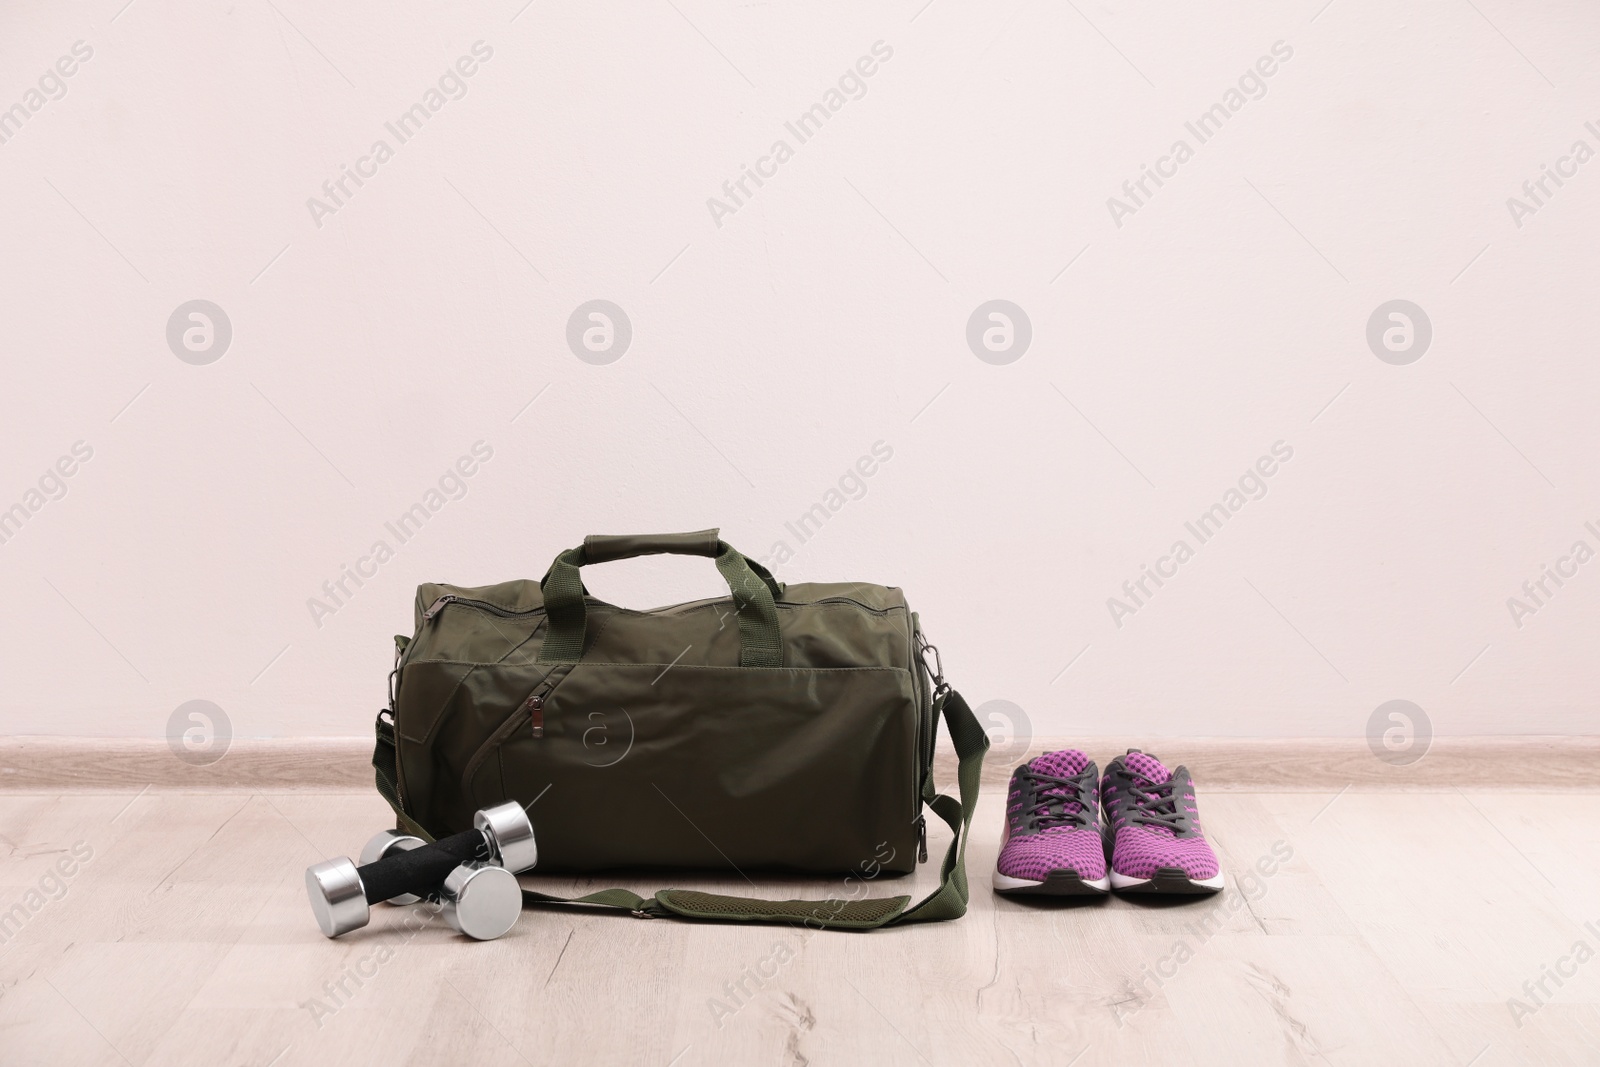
column 1052, row 843
column 1158, row 846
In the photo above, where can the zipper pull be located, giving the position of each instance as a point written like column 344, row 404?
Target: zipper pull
column 535, row 705
column 922, row 839
column 437, row 606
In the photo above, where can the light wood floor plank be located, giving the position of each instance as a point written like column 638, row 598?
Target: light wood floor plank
column 1360, row 927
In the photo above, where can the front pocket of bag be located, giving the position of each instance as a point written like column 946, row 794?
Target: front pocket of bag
column 481, row 776
column 724, row 768
column 446, row 713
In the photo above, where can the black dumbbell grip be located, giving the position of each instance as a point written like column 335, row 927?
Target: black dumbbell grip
column 421, row 870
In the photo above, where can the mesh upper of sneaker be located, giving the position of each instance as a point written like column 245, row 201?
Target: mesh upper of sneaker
column 1036, row 847
column 1140, row 851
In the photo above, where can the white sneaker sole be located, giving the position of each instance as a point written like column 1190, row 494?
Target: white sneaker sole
column 1195, row 885
column 1073, row 886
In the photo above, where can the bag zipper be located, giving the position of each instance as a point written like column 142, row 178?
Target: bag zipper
column 675, row 609
column 447, row 599
column 840, row 600
column 534, row 705
column 513, row 725
column 482, row 605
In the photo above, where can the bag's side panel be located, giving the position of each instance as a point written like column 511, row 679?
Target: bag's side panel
column 688, row 767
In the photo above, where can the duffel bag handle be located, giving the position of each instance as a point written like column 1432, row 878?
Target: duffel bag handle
column 754, row 592
column 603, row 548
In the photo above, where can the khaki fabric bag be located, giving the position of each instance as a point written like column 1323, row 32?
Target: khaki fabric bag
column 778, row 729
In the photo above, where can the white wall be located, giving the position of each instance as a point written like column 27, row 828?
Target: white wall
column 825, row 314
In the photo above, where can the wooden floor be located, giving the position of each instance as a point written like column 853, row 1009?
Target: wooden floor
column 1396, row 932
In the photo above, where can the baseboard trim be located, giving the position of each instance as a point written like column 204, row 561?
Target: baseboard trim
column 1317, row 764
column 88, row 764
column 1304, row 764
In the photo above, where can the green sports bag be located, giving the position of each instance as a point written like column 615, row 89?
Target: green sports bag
column 778, row 729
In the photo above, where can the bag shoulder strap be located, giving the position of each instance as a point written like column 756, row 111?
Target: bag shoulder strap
column 947, row 901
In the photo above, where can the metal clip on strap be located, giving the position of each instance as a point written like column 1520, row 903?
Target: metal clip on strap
column 940, row 686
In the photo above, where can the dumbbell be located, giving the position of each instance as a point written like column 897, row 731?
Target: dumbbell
column 470, row 874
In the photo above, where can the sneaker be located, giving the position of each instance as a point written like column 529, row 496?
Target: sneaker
column 1153, row 829
column 1052, row 843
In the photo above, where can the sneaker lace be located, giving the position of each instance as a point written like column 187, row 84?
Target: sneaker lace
column 1154, row 805
column 1049, row 797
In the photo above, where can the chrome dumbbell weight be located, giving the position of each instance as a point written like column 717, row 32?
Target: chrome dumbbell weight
column 470, row 874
